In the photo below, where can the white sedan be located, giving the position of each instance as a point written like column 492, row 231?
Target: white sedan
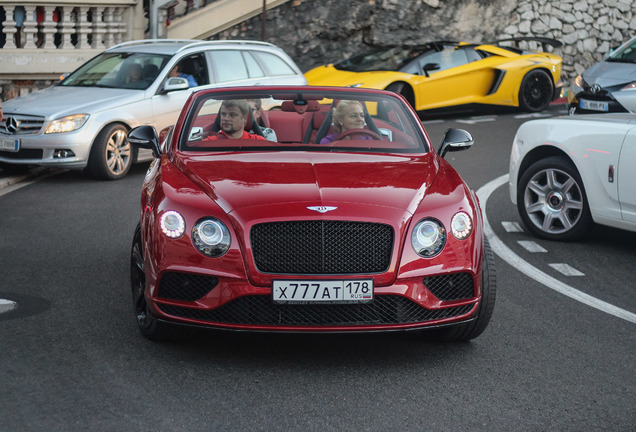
column 567, row 173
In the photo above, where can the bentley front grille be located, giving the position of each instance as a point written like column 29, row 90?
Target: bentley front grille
column 322, row 247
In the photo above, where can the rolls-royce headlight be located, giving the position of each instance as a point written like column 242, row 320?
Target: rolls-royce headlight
column 172, row 224
column 211, row 237
column 461, row 225
column 66, row 124
column 429, row 237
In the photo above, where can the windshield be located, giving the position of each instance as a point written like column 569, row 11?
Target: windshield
column 626, row 54
column 348, row 121
column 118, row 70
column 383, row 59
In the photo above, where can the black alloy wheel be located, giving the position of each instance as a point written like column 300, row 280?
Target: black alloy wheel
column 470, row 330
column 150, row 327
column 535, row 92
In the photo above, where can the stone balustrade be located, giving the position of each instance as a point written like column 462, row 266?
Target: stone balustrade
column 48, row 25
column 42, row 39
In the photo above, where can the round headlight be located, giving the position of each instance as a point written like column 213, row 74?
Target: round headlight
column 428, row 238
column 172, row 224
column 461, row 225
column 211, row 237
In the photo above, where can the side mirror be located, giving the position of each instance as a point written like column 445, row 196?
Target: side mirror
column 430, row 67
column 455, row 140
column 145, row 137
column 175, row 83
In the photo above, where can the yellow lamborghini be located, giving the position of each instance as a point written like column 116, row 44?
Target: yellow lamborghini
column 449, row 74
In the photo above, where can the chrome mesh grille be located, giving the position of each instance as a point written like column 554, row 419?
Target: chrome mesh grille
column 260, row 310
column 322, row 247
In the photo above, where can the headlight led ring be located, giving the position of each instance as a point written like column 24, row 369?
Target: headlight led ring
column 172, row 224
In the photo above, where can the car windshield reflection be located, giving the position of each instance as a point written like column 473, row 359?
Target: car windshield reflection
column 118, row 70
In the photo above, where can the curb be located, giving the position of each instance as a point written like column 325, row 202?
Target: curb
column 8, row 181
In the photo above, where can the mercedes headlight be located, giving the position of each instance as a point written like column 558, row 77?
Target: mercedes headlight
column 211, row 237
column 67, row 124
column 428, row 238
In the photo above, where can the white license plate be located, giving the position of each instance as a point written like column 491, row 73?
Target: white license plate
column 11, row 145
column 323, row 291
column 594, row 105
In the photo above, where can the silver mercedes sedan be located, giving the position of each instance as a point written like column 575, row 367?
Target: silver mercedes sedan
column 82, row 122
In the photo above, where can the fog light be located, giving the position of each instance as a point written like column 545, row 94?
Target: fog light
column 63, row 153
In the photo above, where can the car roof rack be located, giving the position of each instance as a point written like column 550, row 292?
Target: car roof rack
column 190, row 43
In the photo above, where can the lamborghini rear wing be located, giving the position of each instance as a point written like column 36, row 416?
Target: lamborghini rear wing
column 545, row 42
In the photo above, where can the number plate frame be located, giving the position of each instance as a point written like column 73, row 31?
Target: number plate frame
column 10, row 145
column 347, row 291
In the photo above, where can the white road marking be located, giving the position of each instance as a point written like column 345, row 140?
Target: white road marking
column 505, row 253
column 511, row 227
column 7, row 305
column 531, row 246
column 12, row 184
column 566, row 270
column 533, row 115
column 474, row 120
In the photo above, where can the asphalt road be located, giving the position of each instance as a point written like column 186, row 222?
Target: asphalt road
column 71, row 357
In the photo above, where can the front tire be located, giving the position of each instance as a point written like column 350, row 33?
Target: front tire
column 535, row 92
column 551, row 200
column 470, row 330
column 111, row 154
column 150, row 327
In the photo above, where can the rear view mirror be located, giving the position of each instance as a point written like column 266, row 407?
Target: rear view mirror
column 175, row 83
column 455, row 140
column 145, row 137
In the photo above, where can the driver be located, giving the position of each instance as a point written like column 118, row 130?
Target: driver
column 233, row 115
column 348, row 115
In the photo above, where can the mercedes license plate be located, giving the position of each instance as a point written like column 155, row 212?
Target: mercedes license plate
column 10, row 145
column 323, row 291
column 594, row 105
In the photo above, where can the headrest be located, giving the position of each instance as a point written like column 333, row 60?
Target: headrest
column 300, row 106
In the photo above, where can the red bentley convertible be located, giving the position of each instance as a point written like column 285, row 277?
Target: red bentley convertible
column 307, row 209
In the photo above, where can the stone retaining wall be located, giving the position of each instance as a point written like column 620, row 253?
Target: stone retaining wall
column 316, row 32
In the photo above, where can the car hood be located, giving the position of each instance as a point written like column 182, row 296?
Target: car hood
column 608, row 74
column 262, row 184
column 330, row 76
column 58, row 101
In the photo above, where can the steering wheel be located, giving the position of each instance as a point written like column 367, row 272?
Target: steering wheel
column 350, row 132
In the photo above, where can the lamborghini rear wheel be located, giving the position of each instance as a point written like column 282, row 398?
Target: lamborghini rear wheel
column 535, row 93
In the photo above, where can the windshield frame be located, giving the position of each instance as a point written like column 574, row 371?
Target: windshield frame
column 399, row 126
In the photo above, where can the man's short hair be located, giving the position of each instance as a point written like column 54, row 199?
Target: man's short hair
column 242, row 105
